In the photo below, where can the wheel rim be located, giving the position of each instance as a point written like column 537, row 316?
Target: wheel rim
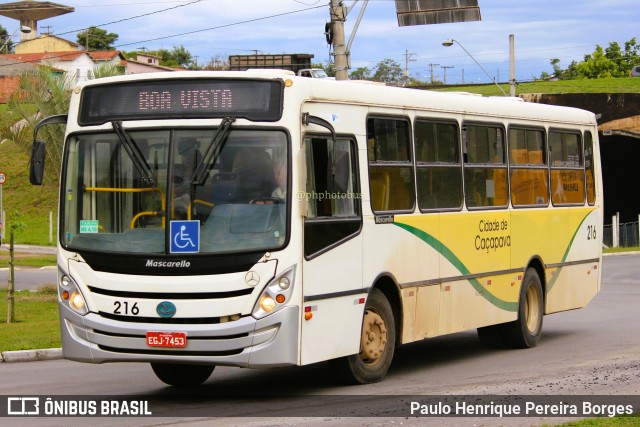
column 374, row 338
column 532, row 310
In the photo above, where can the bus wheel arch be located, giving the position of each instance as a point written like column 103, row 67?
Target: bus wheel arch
column 388, row 286
column 378, row 338
column 525, row 331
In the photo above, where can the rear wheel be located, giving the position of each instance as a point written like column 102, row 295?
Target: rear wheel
column 182, row 375
column 377, row 344
column 525, row 332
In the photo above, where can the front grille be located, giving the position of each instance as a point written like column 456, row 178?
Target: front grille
column 171, row 352
column 171, row 295
column 163, row 321
column 191, row 338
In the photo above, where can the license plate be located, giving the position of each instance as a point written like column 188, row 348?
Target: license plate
column 167, row 339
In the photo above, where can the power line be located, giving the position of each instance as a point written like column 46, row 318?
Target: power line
column 66, row 54
column 128, row 19
column 248, row 21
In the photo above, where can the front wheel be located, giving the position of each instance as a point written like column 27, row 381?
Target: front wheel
column 525, row 332
column 182, row 375
column 377, row 344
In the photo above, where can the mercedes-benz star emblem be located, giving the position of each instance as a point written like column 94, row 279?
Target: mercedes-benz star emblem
column 252, row 278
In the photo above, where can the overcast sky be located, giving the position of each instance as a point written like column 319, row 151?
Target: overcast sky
column 543, row 29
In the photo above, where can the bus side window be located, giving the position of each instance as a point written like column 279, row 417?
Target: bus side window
column 390, row 165
column 567, row 168
column 485, row 166
column 439, row 171
column 332, row 193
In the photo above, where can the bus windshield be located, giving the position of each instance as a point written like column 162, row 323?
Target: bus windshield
column 235, row 187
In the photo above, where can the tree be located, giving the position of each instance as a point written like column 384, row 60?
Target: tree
column 15, row 228
column 45, row 92
column 388, row 70
column 611, row 61
column 183, row 57
column 95, row 38
column 361, row 73
column 5, row 38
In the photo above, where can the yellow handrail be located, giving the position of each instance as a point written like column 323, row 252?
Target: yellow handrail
column 134, row 190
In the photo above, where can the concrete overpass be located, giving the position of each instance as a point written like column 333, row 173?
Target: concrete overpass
column 619, row 134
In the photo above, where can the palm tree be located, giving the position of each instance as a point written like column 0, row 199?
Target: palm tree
column 43, row 93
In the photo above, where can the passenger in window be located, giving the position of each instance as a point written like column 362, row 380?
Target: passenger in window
column 280, row 178
column 190, row 156
column 254, row 170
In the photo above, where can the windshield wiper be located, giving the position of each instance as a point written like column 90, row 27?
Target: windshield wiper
column 134, row 153
column 213, row 151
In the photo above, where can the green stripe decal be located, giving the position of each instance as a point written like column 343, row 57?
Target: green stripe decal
column 553, row 280
column 459, row 265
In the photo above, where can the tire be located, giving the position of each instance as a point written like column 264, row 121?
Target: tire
column 377, row 344
column 525, row 332
column 180, row 375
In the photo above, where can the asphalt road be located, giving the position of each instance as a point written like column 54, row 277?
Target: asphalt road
column 593, row 351
column 28, row 278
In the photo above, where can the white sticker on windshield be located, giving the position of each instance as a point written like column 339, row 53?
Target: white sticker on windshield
column 88, row 226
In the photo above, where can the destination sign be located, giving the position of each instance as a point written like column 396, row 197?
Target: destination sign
column 257, row 100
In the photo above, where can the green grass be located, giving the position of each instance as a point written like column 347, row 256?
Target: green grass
column 36, row 321
column 609, row 85
column 32, row 202
column 616, row 250
column 27, row 260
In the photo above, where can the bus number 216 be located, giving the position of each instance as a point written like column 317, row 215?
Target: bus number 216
column 591, row 232
column 125, row 308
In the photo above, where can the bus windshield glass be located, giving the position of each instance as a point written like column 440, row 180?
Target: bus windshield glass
column 237, row 201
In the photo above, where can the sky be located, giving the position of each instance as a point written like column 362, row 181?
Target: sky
column 215, row 29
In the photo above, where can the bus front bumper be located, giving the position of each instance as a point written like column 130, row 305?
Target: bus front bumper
column 268, row 342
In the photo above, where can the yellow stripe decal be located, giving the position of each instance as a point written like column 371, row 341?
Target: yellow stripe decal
column 459, row 265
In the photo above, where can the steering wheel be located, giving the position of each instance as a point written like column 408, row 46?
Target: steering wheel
column 267, row 201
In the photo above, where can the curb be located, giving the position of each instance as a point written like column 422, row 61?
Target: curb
column 31, row 355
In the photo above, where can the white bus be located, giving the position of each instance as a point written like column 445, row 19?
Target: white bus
column 261, row 219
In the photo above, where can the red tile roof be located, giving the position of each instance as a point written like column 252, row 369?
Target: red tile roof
column 45, row 56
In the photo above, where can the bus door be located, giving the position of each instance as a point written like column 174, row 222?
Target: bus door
column 332, row 270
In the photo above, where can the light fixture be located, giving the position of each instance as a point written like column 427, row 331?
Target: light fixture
column 23, row 29
column 450, row 42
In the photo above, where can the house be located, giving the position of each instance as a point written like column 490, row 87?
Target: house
column 77, row 64
column 145, row 63
column 10, row 73
column 46, row 43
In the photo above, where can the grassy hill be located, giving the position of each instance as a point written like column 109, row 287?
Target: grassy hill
column 33, row 203
column 610, row 85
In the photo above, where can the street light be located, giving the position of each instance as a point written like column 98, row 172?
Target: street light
column 23, row 29
column 450, row 42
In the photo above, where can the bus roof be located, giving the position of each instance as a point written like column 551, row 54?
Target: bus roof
column 354, row 92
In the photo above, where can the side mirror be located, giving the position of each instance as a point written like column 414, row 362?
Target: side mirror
column 36, row 169
column 38, row 152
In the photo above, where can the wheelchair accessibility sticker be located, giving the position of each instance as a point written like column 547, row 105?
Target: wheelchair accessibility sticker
column 185, row 237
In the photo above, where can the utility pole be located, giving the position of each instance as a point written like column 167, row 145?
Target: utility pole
column 337, row 13
column 444, row 67
column 431, row 67
column 512, row 66
column 407, row 59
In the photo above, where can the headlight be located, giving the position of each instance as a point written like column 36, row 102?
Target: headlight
column 70, row 294
column 276, row 294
